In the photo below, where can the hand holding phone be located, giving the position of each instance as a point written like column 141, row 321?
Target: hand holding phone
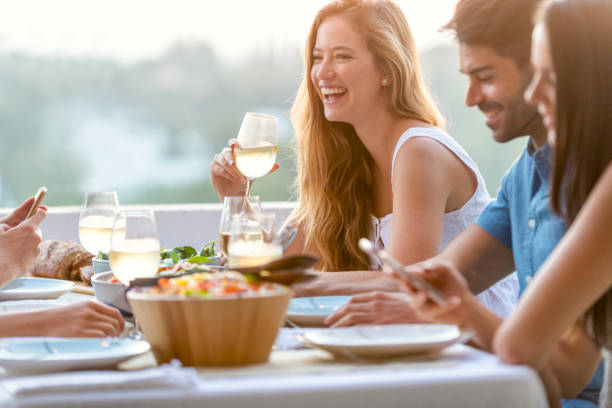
column 40, row 194
column 434, row 294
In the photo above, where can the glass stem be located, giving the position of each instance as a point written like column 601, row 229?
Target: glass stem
column 247, row 195
column 248, row 187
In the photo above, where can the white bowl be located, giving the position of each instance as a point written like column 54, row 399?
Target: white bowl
column 100, row 265
column 113, row 294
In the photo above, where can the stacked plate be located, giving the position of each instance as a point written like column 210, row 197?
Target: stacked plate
column 35, row 288
column 312, row 311
column 42, row 354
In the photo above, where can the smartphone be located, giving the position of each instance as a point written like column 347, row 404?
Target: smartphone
column 40, row 194
column 418, row 283
column 434, row 294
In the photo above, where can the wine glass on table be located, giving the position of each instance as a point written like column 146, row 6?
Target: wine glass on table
column 96, row 221
column 134, row 249
column 254, row 243
column 257, row 139
column 233, row 209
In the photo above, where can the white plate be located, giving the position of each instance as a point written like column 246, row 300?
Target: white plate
column 385, row 341
column 35, row 288
column 311, row 311
column 26, row 306
column 42, row 355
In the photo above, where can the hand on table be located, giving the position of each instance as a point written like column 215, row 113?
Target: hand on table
column 225, row 177
column 19, row 243
column 446, row 278
column 83, row 319
column 374, row 308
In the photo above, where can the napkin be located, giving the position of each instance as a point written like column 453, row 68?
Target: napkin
column 289, row 339
column 171, row 375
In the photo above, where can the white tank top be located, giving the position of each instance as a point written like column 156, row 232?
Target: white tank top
column 501, row 297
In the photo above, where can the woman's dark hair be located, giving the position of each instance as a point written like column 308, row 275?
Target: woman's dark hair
column 502, row 25
column 580, row 38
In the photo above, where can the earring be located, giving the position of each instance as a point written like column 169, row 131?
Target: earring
column 385, row 81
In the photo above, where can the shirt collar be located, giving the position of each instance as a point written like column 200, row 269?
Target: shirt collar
column 542, row 158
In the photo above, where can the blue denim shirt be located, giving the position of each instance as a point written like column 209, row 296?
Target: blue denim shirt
column 522, row 219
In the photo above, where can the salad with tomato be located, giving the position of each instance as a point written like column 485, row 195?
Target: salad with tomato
column 208, row 284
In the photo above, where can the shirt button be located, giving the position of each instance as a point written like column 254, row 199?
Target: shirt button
column 532, row 223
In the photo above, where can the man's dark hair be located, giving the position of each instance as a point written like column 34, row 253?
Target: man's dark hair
column 502, row 25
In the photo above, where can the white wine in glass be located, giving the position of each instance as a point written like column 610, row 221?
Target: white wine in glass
column 233, row 209
column 257, row 139
column 255, row 162
column 135, row 248
column 254, row 243
column 96, row 221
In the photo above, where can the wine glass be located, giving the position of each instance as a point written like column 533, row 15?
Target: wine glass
column 255, row 154
column 233, row 209
column 134, row 249
column 96, row 221
column 254, row 243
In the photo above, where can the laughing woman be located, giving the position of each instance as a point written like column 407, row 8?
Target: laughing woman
column 373, row 159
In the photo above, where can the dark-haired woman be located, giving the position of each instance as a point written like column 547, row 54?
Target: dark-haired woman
column 572, row 58
column 564, row 319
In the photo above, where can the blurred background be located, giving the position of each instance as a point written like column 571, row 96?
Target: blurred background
column 138, row 96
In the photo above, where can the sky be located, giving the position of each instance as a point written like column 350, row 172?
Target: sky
column 131, row 30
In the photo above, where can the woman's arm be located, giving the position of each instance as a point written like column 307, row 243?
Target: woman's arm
column 83, row 319
column 337, row 283
column 427, row 176
column 578, row 272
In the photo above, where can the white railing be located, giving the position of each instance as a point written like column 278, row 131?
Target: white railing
column 178, row 225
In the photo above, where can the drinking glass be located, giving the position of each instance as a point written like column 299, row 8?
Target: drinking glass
column 254, row 242
column 134, row 249
column 96, row 221
column 233, row 209
column 255, row 154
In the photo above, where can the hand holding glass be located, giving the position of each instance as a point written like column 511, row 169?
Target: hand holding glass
column 134, row 249
column 96, row 221
column 257, row 139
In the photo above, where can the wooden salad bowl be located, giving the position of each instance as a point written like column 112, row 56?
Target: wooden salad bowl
column 226, row 330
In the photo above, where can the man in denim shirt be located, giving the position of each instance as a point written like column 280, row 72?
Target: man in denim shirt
column 518, row 230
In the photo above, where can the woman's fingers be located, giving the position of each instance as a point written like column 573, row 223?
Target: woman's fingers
column 342, row 312
column 101, row 318
column 230, row 162
column 220, row 168
column 116, row 322
column 232, row 143
column 431, row 311
column 353, row 319
column 274, row 168
column 91, row 333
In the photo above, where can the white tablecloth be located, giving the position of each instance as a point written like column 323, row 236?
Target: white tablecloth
column 462, row 377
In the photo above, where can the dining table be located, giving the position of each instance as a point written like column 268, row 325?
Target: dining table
column 294, row 376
